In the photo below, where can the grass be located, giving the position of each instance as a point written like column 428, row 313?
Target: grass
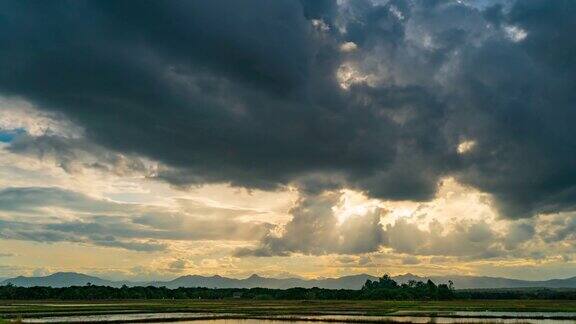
column 13, row 309
column 17, row 320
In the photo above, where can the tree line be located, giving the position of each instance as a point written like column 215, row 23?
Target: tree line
column 388, row 289
column 384, row 288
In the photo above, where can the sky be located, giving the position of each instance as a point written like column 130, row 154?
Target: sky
column 146, row 140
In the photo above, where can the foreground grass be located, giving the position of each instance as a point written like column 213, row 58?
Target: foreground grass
column 14, row 309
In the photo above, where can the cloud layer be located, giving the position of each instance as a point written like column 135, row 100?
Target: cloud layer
column 49, row 215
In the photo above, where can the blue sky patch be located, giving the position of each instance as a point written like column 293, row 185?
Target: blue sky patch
column 6, row 136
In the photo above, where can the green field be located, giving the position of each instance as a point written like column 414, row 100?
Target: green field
column 16, row 309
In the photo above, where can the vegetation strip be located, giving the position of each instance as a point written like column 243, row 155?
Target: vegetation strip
column 296, row 318
column 383, row 289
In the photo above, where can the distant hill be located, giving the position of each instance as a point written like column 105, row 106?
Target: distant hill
column 347, row 282
column 65, row 279
column 57, row 280
column 472, row 282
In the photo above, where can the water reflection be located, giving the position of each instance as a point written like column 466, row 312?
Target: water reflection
column 124, row 317
column 202, row 318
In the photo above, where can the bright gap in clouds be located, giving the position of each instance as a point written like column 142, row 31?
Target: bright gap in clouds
column 453, row 201
column 353, row 203
column 466, row 146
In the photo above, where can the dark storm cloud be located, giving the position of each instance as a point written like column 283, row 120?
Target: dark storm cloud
column 219, row 91
column 245, row 92
column 523, row 101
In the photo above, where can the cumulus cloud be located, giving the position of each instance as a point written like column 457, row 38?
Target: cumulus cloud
column 518, row 233
column 315, row 229
column 458, row 224
column 559, row 228
column 178, row 265
column 473, row 240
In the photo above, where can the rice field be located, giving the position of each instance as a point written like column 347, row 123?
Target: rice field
column 25, row 309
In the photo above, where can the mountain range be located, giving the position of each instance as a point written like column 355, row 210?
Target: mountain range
column 65, row 279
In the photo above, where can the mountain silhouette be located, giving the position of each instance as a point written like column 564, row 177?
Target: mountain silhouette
column 57, row 280
column 65, row 279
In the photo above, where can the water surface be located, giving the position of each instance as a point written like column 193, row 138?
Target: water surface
column 211, row 318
